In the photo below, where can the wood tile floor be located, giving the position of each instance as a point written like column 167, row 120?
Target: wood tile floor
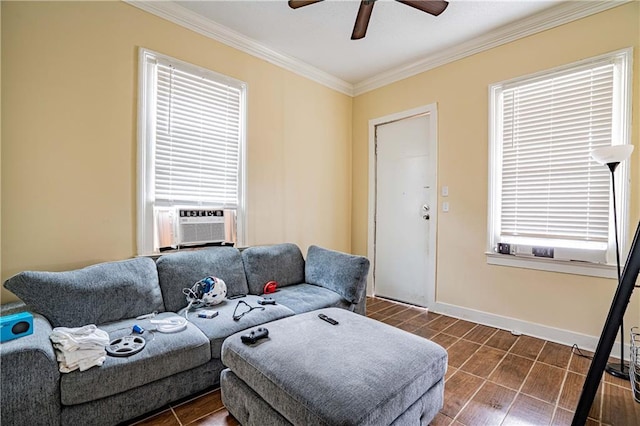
column 493, row 378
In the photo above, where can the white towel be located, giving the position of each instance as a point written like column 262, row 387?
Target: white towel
column 79, row 348
column 86, row 337
column 69, row 361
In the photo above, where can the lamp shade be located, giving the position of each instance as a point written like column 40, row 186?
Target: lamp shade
column 612, row 154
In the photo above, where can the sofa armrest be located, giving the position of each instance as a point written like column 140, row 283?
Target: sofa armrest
column 343, row 273
column 29, row 378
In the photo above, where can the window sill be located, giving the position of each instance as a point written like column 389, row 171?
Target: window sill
column 156, row 255
column 551, row 265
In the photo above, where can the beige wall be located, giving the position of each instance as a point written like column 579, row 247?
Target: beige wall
column 460, row 89
column 69, row 107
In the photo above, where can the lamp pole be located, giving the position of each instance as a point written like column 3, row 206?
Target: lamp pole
column 622, row 370
column 611, row 156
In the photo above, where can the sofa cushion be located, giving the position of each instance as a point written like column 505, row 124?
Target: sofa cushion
column 306, row 297
column 96, row 294
column 178, row 271
column 119, row 409
column 220, row 327
column 165, row 354
column 343, row 273
column 282, row 263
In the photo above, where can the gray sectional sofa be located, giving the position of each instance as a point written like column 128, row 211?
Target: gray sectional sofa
column 172, row 365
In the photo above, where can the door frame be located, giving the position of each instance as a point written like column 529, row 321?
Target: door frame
column 431, row 111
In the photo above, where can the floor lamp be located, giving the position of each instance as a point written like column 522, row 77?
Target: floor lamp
column 618, row 307
column 612, row 156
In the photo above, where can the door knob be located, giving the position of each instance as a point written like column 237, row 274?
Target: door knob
column 426, row 216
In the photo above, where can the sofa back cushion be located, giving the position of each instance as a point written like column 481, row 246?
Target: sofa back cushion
column 346, row 274
column 282, row 263
column 178, row 271
column 96, row 294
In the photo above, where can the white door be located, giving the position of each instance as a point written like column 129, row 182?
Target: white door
column 405, row 207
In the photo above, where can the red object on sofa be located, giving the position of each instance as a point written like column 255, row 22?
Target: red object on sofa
column 270, row 287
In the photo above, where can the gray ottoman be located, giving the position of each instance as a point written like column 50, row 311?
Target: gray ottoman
column 309, row 372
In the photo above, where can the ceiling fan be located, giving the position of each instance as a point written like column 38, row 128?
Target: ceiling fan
column 433, row 7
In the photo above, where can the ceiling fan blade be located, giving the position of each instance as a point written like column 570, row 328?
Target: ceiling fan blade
column 434, row 7
column 294, row 4
column 362, row 20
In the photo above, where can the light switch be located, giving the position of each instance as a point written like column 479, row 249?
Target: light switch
column 445, row 191
column 445, row 206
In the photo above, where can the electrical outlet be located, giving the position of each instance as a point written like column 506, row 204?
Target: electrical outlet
column 504, row 248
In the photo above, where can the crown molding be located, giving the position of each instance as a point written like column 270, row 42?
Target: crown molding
column 177, row 14
column 550, row 18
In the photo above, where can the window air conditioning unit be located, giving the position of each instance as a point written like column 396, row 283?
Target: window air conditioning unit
column 560, row 253
column 200, row 226
column 189, row 226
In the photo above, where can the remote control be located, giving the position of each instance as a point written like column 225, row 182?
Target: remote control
column 237, row 296
column 327, row 319
column 267, row 301
column 254, row 336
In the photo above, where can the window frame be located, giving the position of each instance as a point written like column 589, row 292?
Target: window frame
column 146, row 142
column 621, row 134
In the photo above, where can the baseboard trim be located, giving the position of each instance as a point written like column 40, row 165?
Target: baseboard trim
column 540, row 331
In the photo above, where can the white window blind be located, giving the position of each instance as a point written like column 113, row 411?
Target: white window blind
column 551, row 188
column 550, row 203
column 198, row 135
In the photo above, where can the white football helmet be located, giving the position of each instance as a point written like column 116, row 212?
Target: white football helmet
column 213, row 290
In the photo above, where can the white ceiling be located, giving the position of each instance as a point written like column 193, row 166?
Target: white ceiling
column 315, row 40
column 320, row 34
